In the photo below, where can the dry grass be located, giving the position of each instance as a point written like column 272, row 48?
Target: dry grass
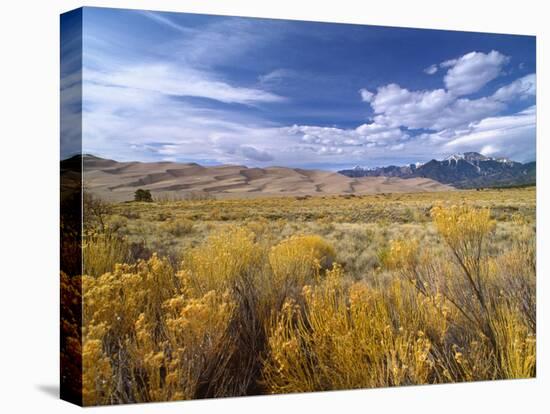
column 286, row 295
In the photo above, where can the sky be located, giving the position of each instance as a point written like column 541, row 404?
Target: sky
column 262, row 92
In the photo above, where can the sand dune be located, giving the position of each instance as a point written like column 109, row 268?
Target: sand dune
column 117, row 181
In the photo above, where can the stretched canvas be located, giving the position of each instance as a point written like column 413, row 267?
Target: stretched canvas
column 259, row 206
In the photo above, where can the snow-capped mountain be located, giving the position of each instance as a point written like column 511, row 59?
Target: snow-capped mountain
column 462, row 170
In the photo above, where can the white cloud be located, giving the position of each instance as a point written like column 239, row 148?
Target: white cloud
column 511, row 136
column 330, row 151
column 366, row 95
column 163, row 20
column 464, row 111
column 379, row 133
column 373, row 133
column 169, row 80
column 255, row 154
column 222, row 42
column 431, row 70
column 521, row 88
column 130, row 113
column 469, row 73
column 397, row 147
column 457, row 123
column 490, row 150
column 129, row 124
column 448, row 63
column 430, row 109
column 276, row 76
column 401, row 107
column 441, row 109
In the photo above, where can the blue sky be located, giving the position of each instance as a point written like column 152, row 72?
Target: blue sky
column 217, row 90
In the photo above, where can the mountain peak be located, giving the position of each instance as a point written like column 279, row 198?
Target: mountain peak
column 463, row 170
column 475, row 156
column 468, row 156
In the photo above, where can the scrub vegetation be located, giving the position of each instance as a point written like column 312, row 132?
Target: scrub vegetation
column 214, row 298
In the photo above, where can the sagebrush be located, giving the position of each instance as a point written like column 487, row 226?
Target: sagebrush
column 237, row 304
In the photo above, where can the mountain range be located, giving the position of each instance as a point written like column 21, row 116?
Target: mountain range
column 467, row 170
column 117, row 181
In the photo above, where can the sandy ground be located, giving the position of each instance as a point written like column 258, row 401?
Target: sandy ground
column 117, row 181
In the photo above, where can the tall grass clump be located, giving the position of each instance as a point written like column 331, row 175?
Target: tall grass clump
column 227, row 257
column 102, row 251
column 352, row 337
column 298, row 260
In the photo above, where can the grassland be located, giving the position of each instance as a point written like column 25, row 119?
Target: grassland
column 214, row 298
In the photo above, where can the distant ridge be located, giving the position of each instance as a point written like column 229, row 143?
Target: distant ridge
column 467, row 170
column 117, row 181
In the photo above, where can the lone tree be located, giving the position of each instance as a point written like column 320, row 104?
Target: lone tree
column 143, row 195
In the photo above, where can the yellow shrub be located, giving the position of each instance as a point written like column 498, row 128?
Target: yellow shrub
column 102, row 251
column 117, row 299
column 142, row 330
column 465, row 229
column 516, row 269
column 517, row 344
column 192, row 339
column 349, row 338
column 227, row 255
column 298, row 259
column 402, row 254
column 258, row 227
column 243, row 315
column 97, row 383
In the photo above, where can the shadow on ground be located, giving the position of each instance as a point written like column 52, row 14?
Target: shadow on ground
column 51, row 390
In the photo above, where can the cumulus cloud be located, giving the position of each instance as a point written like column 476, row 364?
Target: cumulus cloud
column 380, row 134
column 366, row 95
column 417, row 109
column 456, row 122
column 364, row 134
column 469, row 73
column 441, row 109
column 448, row 63
column 429, row 109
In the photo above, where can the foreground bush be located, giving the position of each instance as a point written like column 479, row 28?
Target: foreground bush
column 145, row 339
column 352, row 337
column 223, row 260
column 298, row 260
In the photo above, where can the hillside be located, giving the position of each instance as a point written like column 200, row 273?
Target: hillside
column 117, row 181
